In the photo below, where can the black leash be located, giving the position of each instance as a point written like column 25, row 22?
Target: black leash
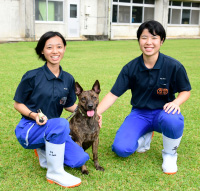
column 72, row 115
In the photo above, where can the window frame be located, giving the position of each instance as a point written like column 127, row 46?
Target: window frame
column 47, row 21
column 172, row 7
column 131, row 5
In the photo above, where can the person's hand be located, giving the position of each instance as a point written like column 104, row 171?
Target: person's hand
column 171, row 106
column 44, row 119
column 100, row 120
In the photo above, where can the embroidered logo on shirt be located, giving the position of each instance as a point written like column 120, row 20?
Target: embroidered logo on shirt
column 63, row 100
column 162, row 91
column 65, row 88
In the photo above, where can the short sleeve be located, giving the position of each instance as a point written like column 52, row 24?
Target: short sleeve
column 122, row 83
column 71, row 98
column 24, row 89
column 182, row 81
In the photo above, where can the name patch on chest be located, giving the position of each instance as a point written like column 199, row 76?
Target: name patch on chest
column 162, row 91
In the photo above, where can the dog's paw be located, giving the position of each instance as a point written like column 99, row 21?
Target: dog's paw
column 100, row 168
column 85, row 172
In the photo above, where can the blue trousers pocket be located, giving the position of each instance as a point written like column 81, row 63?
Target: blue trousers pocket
column 22, row 132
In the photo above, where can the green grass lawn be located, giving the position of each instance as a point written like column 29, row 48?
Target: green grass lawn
column 102, row 60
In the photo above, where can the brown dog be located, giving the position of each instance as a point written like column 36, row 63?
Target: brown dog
column 84, row 124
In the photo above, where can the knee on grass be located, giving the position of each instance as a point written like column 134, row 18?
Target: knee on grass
column 123, row 151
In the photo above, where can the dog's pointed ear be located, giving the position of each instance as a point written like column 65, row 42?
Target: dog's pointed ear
column 78, row 89
column 96, row 87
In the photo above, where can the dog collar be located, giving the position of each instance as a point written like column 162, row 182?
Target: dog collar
column 81, row 112
column 72, row 115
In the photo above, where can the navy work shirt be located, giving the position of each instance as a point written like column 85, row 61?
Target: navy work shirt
column 152, row 88
column 40, row 89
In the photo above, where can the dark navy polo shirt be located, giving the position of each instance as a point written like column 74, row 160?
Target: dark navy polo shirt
column 40, row 89
column 152, row 88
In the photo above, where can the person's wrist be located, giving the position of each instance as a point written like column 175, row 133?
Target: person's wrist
column 176, row 102
column 33, row 115
column 30, row 113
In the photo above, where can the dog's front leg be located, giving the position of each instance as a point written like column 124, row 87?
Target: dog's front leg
column 84, row 170
column 95, row 155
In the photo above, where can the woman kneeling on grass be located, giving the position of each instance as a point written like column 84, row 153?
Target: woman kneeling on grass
column 153, row 78
column 50, row 89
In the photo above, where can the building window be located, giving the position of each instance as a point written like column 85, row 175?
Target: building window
column 132, row 11
column 73, row 11
column 184, row 13
column 137, row 14
column 49, row 10
column 124, row 14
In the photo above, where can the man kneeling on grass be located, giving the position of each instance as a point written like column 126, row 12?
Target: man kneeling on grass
column 153, row 78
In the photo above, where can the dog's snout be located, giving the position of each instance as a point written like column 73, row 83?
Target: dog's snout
column 90, row 106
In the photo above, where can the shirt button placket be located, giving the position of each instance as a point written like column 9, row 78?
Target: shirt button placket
column 54, row 89
column 150, row 78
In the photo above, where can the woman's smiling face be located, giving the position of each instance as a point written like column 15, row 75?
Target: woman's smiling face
column 54, row 50
column 149, row 44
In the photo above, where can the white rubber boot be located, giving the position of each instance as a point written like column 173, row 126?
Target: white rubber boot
column 169, row 155
column 55, row 169
column 144, row 142
column 42, row 157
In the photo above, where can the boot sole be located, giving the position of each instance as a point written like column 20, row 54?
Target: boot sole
column 170, row 173
column 35, row 151
column 52, row 182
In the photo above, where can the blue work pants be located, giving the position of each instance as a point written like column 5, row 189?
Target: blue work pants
column 56, row 131
column 141, row 121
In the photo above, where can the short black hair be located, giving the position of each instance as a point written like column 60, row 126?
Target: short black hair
column 41, row 43
column 154, row 27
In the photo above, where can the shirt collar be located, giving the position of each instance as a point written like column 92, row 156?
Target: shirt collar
column 49, row 75
column 157, row 66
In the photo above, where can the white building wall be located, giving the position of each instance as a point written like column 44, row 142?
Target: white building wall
column 10, row 20
column 17, row 21
column 28, row 17
column 122, row 31
column 16, row 18
column 93, row 20
column 102, row 18
column 128, row 31
column 41, row 28
column 161, row 12
column 94, row 17
column 89, row 19
column 183, row 31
